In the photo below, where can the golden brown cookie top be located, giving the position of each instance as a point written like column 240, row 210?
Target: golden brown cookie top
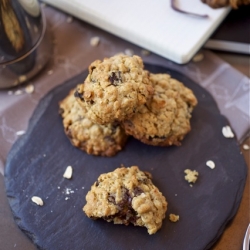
column 105, row 140
column 114, row 89
column 127, row 195
column 165, row 118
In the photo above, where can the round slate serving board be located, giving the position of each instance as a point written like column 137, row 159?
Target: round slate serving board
column 37, row 161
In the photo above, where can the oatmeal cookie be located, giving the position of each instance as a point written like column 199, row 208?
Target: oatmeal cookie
column 114, row 89
column 223, row 3
column 165, row 119
column 105, row 140
column 127, row 195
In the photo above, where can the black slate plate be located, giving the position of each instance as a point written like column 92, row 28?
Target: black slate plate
column 37, row 161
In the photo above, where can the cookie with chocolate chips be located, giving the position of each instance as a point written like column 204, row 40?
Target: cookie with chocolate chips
column 114, row 89
column 124, row 196
column 104, row 140
column 165, row 119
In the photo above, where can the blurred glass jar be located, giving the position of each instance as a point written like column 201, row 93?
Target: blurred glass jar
column 25, row 43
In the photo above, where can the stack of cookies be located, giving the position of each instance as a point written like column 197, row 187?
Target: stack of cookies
column 119, row 98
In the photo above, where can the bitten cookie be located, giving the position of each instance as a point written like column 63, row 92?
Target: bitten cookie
column 94, row 139
column 114, row 89
column 165, row 119
column 127, row 195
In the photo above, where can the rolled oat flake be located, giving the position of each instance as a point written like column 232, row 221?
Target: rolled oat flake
column 37, row 200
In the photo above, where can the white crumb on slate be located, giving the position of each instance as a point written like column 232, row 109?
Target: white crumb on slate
column 227, row 132
column 210, row 164
column 37, row 200
column 68, row 172
column 66, row 198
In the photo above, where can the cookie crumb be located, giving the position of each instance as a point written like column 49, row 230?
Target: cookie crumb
column 69, row 19
column 129, row 52
column 145, row 52
column 22, row 78
column 227, row 132
column 210, row 164
column 198, row 57
column 18, row 92
column 10, row 92
column 94, row 41
column 21, row 132
column 29, row 89
column 191, row 176
column 58, row 187
column 66, row 198
column 246, row 147
column 50, row 72
column 37, row 200
column 68, row 172
column 175, row 195
column 174, row 217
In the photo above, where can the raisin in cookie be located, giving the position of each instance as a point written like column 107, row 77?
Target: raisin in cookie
column 127, row 195
column 94, row 139
column 114, row 89
column 165, row 119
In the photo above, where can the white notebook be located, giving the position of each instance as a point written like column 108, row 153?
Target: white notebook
column 153, row 25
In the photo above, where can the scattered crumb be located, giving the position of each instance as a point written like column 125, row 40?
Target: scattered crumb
column 191, row 176
column 191, row 185
column 29, row 88
column 51, row 211
column 227, row 132
column 69, row 19
column 145, row 52
column 21, row 132
column 129, row 52
column 18, row 92
column 246, row 147
column 37, row 200
column 44, row 155
column 66, row 198
column 175, row 195
column 10, row 92
column 210, row 164
column 82, row 187
column 198, row 57
column 174, row 217
column 58, row 187
column 50, row 72
column 47, row 197
column 69, row 191
column 22, row 78
column 68, row 172
column 94, row 41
